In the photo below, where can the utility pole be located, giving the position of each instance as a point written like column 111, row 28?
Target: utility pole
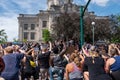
column 82, row 11
column 93, row 31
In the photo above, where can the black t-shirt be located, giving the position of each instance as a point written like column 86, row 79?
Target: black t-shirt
column 43, row 58
column 28, row 68
column 96, row 69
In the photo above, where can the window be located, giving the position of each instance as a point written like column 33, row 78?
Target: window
column 32, row 35
column 44, row 24
column 32, row 26
column 25, row 26
column 25, row 35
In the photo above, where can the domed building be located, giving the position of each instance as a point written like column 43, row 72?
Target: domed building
column 31, row 25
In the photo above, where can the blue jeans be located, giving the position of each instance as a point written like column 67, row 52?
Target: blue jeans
column 58, row 71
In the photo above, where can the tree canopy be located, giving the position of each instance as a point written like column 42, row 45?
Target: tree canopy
column 115, row 26
column 3, row 36
column 46, row 35
column 67, row 25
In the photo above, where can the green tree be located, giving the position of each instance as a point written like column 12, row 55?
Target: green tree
column 24, row 40
column 15, row 40
column 66, row 26
column 3, row 36
column 115, row 38
column 69, row 25
column 46, row 35
column 115, row 27
column 102, row 29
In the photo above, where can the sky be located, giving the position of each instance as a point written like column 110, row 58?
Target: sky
column 10, row 10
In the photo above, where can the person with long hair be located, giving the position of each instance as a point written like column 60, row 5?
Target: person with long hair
column 95, row 66
column 74, row 68
column 113, row 64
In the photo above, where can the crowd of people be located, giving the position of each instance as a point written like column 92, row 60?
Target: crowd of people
column 61, row 60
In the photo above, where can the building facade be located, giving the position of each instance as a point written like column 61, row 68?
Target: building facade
column 31, row 25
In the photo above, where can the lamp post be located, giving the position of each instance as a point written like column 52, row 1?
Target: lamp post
column 93, row 31
column 82, row 11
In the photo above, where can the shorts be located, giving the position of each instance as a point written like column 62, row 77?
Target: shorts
column 44, row 72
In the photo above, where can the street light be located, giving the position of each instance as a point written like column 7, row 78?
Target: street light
column 93, row 30
column 82, row 11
